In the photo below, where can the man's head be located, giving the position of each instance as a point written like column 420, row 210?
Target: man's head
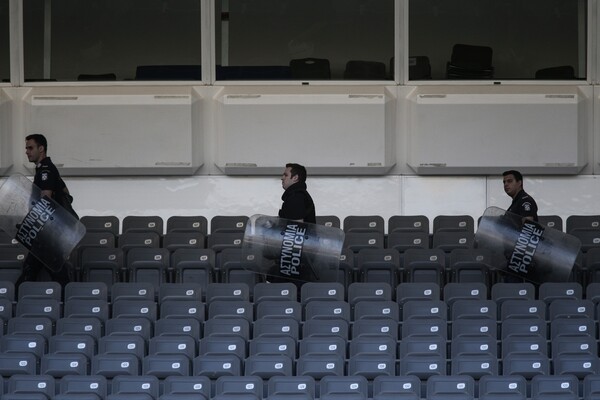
column 36, row 147
column 293, row 173
column 513, row 182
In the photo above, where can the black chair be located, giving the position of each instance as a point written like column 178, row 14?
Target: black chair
column 470, row 62
column 365, row 70
column 560, row 72
column 310, row 68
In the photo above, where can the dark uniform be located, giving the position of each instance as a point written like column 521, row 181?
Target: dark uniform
column 47, row 177
column 297, row 204
column 524, row 205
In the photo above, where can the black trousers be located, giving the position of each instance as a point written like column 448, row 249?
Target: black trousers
column 32, row 267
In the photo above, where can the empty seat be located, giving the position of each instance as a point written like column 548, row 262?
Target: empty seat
column 84, row 344
column 344, row 387
column 11, row 263
column 424, row 327
column 145, row 223
column 37, row 307
column 194, row 266
column 364, row 223
column 284, row 291
column 123, row 344
column 227, row 223
column 582, row 222
column 80, row 325
column 522, row 309
column 111, row 365
column 475, row 365
column 279, row 309
column 183, row 240
column 102, row 265
column 190, row 387
column 40, row 290
column 551, row 221
column 375, row 327
column 95, row 308
column 453, row 223
column 562, row 387
column 503, row 291
column 589, row 238
column 326, row 327
column 405, row 240
column 509, row 387
column 164, row 365
column 407, row 387
column 266, row 366
column 183, row 309
column 331, row 221
column 274, row 345
column 455, row 291
column 419, row 68
column 32, row 385
column 102, row 223
column 526, row 365
column 328, row 345
column 321, row 291
column 371, row 365
column 18, row 363
column 86, row 291
column 228, row 308
column 236, row 266
column 471, row 265
column 221, row 240
column 524, row 344
column 82, row 385
column 549, row 291
column 372, row 344
column 134, row 239
column 132, row 385
column 452, row 386
column 355, row 241
column 238, row 387
column 227, row 291
column 183, row 291
column 274, row 327
column 369, row 291
column 223, row 345
column 192, row 223
column 376, row 309
column 28, row 325
column 379, row 265
column 216, row 365
column 7, row 290
column 484, row 309
column 178, row 326
column 133, row 291
column 578, row 365
column 319, row 365
column 227, row 327
column 61, row 364
column 422, row 366
column 148, row 265
column 138, row 326
column 23, row 343
column 296, row 387
column 409, row 223
column 327, row 309
column 448, row 240
column 417, row 291
column 425, row 265
column 430, row 345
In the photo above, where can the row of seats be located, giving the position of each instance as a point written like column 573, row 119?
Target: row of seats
column 96, row 387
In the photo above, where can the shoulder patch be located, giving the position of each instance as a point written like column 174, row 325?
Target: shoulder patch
column 527, row 206
column 44, row 176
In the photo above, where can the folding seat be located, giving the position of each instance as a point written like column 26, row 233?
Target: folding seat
column 574, row 345
column 591, row 387
column 191, row 223
column 183, row 240
column 32, row 385
column 408, row 223
column 179, row 291
column 564, row 387
column 227, row 291
column 532, row 344
column 139, row 326
column 86, row 291
column 405, row 240
column 375, row 327
column 471, row 265
column 326, row 327
column 90, row 239
column 508, row 387
column 133, row 385
column 423, row 346
column 319, row 365
column 101, row 223
column 406, row 387
column 328, row 345
column 82, row 385
column 321, row 291
column 14, row 363
column 6, row 312
column 449, row 240
column 376, row 309
column 474, row 328
column 422, row 366
column 87, row 308
column 291, row 387
column 522, row 309
column 144, row 223
column 183, row 309
column 273, row 345
column 407, row 291
column 238, row 387
column 11, row 263
column 80, row 326
column 7, row 290
column 178, row 326
column 194, row 266
column 283, row 291
column 371, row 365
column 110, row 365
column 589, row 238
column 485, row 345
column 425, row 309
column 40, row 290
column 219, row 241
column 369, row 291
column 379, row 265
column 23, row 343
column 503, row 291
column 344, row 387
column 346, row 271
column 583, row 222
column 474, row 365
column 372, row 344
column 452, row 386
column 133, row 291
column 61, row 364
column 216, row 365
column 136, row 239
column 550, row 291
column 279, row 309
column 453, row 222
column 523, row 327
column 124, row 308
column 578, row 365
column 526, row 365
column 484, row 309
column 551, row 221
column 102, row 265
column 572, row 327
column 424, row 327
column 356, row 241
column 274, row 327
column 148, row 265
column 173, row 344
column 122, row 344
column 331, row 221
column 327, row 309
column 228, row 223
column 37, row 307
column 227, row 327
column 364, row 223
column 28, row 325
column 455, row 291
column 235, row 266
column 223, row 345
column 231, row 309
column 163, row 365
column 425, row 266
column 266, row 366
column 84, row 344
column 187, row 387
column 7, row 240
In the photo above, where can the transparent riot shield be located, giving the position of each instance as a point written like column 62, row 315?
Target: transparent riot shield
column 46, row 229
column 526, row 248
column 288, row 250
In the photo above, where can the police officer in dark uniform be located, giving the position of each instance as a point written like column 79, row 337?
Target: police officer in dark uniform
column 48, row 179
column 297, row 203
column 522, row 204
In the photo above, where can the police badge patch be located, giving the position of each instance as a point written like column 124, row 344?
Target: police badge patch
column 44, row 176
column 527, row 206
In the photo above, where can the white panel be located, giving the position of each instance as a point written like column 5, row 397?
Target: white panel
column 119, row 133
column 339, row 133
column 483, row 131
column 6, row 160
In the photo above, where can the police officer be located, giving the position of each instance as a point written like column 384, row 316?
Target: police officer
column 522, row 204
column 48, row 179
column 297, row 203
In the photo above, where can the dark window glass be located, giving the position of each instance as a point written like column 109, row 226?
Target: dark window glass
column 509, row 39
column 72, row 40
column 4, row 42
column 304, row 39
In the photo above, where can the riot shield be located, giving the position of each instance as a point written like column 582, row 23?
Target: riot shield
column 525, row 248
column 45, row 228
column 288, row 250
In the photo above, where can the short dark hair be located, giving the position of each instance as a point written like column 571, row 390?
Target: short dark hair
column 297, row 169
column 39, row 139
column 518, row 176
